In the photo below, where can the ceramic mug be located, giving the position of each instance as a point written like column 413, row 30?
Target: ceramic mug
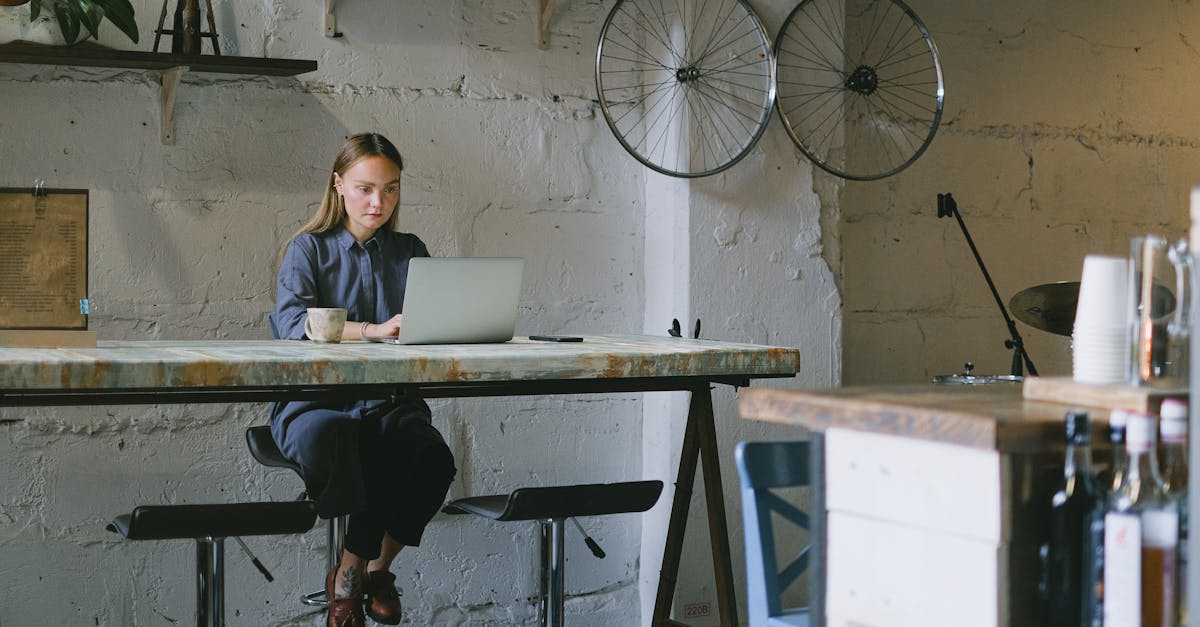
column 325, row 324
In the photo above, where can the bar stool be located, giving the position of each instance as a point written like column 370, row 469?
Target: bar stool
column 264, row 450
column 209, row 525
column 552, row 506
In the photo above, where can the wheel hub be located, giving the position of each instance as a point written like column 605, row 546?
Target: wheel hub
column 863, row 80
column 687, row 74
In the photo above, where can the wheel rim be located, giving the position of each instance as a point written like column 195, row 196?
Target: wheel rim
column 686, row 87
column 862, row 96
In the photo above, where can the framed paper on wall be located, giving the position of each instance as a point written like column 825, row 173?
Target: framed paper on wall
column 43, row 267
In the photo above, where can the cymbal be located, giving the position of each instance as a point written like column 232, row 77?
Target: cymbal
column 1049, row 307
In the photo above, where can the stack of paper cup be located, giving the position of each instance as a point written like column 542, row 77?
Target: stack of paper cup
column 1100, row 342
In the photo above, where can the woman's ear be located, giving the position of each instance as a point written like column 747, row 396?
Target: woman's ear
column 337, row 182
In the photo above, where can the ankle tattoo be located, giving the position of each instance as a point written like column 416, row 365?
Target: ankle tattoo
column 349, row 584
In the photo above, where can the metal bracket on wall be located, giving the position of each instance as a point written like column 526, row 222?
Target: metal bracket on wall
column 544, row 12
column 170, row 84
column 331, row 20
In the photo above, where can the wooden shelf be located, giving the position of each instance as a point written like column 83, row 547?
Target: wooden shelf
column 93, row 55
column 171, row 65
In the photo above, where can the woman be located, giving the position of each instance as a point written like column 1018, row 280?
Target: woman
column 379, row 461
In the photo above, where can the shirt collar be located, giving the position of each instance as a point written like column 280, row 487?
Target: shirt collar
column 346, row 239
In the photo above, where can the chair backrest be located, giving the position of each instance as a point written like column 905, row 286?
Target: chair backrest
column 763, row 466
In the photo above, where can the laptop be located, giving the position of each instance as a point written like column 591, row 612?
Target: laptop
column 460, row 300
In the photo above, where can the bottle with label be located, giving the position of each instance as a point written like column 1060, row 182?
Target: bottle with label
column 1173, row 427
column 1108, row 482
column 1071, row 507
column 1140, row 538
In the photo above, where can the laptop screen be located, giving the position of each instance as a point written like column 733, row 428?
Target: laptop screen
column 460, row 300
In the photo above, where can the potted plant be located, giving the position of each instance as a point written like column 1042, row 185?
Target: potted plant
column 71, row 15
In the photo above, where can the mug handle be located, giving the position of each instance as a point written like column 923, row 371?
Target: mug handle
column 307, row 328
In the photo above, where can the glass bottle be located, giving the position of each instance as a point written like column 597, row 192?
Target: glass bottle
column 1109, row 482
column 1180, row 328
column 1140, row 538
column 1071, row 507
column 1116, row 437
column 1173, row 427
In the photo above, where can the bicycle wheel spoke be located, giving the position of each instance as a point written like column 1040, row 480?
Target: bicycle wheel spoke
column 713, row 102
column 836, row 39
column 717, row 26
column 669, row 96
column 894, row 39
column 735, row 97
column 655, row 66
column 657, row 119
column 819, row 55
column 706, row 142
column 889, row 58
column 635, row 103
column 873, row 29
column 887, row 148
column 641, row 51
column 762, row 76
column 894, row 96
column 898, row 126
column 724, row 124
column 719, row 68
column 732, row 84
column 695, row 27
column 666, row 29
column 663, row 38
column 728, row 39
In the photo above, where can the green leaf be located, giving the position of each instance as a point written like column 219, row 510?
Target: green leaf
column 68, row 22
column 120, row 13
column 89, row 14
column 35, row 9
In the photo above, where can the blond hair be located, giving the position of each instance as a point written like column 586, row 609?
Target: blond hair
column 333, row 210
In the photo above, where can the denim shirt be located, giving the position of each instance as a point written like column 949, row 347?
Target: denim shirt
column 332, row 269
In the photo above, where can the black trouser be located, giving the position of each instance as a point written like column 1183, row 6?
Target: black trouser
column 385, row 465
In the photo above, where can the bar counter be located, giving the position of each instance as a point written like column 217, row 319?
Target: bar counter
column 935, row 499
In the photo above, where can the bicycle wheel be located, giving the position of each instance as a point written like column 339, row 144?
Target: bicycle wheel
column 686, row 86
column 859, row 85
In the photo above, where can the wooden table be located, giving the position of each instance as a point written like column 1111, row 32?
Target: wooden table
column 965, row 471
column 117, row 373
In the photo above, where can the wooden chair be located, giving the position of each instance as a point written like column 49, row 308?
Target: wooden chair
column 762, row 467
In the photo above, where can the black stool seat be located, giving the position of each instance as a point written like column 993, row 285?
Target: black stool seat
column 209, row 525
column 165, row 522
column 551, row 507
column 588, row 499
column 264, row 450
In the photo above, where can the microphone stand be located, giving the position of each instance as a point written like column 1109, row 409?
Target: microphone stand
column 948, row 207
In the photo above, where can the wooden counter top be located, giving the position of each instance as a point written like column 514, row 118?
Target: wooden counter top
column 279, row 363
column 992, row 416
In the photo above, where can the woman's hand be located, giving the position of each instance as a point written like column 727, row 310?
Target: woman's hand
column 390, row 327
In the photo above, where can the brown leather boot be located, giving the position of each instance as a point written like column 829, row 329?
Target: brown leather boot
column 342, row 612
column 383, row 600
